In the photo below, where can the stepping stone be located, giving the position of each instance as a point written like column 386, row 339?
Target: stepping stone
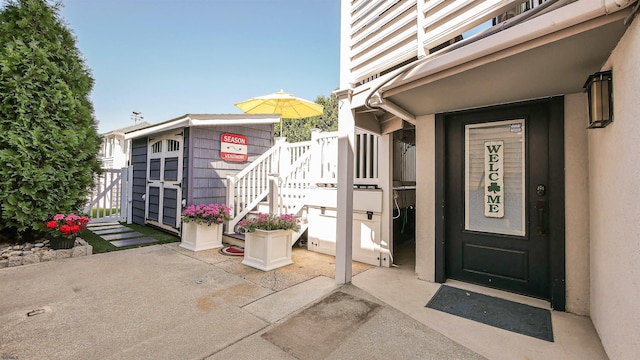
column 95, row 228
column 104, row 228
column 128, row 242
column 127, row 235
column 120, row 229
column 98, row 226
column 103, row 224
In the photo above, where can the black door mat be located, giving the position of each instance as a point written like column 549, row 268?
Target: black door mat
column 500, row 313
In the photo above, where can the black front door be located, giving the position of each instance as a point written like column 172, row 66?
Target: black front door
column 498, row 183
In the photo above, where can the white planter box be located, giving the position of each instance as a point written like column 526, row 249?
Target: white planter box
column 197, row 237
column 267, row 250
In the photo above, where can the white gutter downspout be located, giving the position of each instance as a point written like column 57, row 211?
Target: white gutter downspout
column 391, row 108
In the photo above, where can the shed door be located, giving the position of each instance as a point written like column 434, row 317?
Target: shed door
column 497, row 191
column 164, row 181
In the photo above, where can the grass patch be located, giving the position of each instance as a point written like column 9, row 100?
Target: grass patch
column 101, row 246
column 161, row 236
column 102, row 212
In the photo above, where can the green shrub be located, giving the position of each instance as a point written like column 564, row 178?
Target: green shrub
column 48, row 137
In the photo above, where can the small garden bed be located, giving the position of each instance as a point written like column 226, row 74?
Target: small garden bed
column 33, row 253
column 87, row 243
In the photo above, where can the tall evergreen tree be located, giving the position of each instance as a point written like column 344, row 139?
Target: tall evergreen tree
column 48, row 135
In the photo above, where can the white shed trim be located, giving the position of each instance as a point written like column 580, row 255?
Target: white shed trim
column 189, row 120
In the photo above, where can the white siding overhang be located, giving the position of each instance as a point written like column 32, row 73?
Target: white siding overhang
column 550, row 54
column 190, row 120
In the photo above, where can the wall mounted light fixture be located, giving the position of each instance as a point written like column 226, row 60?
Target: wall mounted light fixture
column 599, row 88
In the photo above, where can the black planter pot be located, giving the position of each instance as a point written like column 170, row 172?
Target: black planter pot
column 59, row 243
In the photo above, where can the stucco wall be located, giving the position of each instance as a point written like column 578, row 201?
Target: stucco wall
column 576, row 203
column 425, row 197
column 614, row 187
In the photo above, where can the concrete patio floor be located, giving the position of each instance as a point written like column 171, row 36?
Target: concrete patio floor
column 165, row 302
column 574, row 335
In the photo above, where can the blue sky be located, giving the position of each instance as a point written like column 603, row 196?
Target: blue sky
column 167, row 58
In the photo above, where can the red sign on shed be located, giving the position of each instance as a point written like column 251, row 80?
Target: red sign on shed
column 233, row 147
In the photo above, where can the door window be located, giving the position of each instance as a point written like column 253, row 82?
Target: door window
column 495, row 177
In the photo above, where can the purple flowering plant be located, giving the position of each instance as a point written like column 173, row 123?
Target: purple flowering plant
column 269, row 222
column 206, row 214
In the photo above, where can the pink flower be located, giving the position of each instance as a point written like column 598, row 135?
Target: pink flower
column 67, row 225
column 206, row 214
column 269, row 222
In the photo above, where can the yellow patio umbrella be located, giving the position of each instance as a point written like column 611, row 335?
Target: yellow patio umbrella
column 283, row 104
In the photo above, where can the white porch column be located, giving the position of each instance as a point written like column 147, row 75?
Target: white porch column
column 426, row 198
column 344, row 211
column 346, row 136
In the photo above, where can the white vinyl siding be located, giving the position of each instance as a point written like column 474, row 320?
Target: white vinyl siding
column 388, row 33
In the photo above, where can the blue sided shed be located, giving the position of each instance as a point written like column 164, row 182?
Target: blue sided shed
column 186, row 161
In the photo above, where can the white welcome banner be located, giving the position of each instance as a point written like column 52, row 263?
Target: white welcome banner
column 494, row 178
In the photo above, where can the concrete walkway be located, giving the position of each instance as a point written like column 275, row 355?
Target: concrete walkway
column 574, row 336
column 163, row 302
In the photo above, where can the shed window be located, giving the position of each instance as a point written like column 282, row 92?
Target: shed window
column 173, row 145
column 156, row 147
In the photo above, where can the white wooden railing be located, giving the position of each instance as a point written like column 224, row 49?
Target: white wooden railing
column 324, row 165
column 249, row 187
column 387, row 33
column 284, row 173
column 325, row 159
column 288, row 191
